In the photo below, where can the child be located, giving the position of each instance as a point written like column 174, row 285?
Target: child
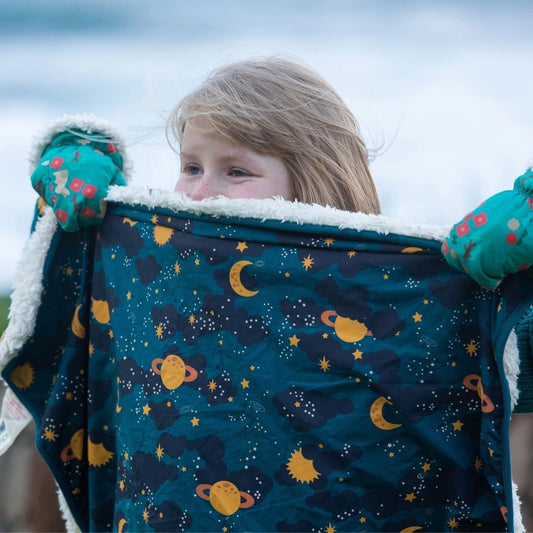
column 248, row 114
column 290, row 381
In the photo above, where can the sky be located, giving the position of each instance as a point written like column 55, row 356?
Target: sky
column 441, row 89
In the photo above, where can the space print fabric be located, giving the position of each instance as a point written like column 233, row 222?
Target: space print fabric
column 193, row 373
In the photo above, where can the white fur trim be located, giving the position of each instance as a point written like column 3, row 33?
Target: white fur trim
column 70, row 524
column 511, row 366
column 274, row 209
column 27, row 288
column 518, row 524
column 84, row 122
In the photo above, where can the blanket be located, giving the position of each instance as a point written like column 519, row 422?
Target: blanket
column 191, row 367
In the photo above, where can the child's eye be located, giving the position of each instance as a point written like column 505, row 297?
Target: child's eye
column 239, row 173
column 192, row 170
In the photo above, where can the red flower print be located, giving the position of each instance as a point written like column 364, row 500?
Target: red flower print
column 111, row 148
column 511, row 238
column 480, row 219
column 468, row 217
column 463, row 229
column 445, row 247
column 76, row 185
column 54, row 199
column 61, row 215
column 56, row 163
column 530, row 202
column 87, row 212
column 89, row 190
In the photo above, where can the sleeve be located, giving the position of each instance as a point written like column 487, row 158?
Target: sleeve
column 77, row 163
column 496, row 239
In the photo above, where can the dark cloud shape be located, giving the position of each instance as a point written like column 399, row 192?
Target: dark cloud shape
column 319, row 407
column 385, row 323
column 116, row 229
column 99, row 392
column 148, row 269
column 98, row 514
column 146, row 473
column 164, row 414
column 451, row 292
column 216, row 314
column 168, row 516
column 350, row 302
column 131, row 375
column 302, row 313
column 316, row 346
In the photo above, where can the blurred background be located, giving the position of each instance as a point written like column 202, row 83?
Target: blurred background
column 442, row 91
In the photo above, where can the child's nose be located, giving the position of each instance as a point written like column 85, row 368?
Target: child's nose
column 204, row 188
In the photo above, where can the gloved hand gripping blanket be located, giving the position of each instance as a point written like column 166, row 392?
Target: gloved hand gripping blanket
column 191, row 367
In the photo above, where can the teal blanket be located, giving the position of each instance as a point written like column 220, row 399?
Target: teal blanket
column 191, row 370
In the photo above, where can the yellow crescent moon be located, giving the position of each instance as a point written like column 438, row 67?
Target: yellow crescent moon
column 121, row 525
column 411, row 250
column 235, row 279
column 77, row 327
column 410, row 529
column 376, row 414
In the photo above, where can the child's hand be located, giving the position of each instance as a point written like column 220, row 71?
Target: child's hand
column 496, row 239
column 73, row 176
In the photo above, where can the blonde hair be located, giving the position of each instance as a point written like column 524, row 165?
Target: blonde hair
column 278, row 107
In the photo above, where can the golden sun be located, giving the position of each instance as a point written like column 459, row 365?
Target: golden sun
column 301, row 469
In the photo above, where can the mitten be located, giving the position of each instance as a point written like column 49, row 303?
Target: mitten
column 496, row 239
column 74, row 174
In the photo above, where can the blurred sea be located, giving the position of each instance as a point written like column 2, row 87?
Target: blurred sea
column 442, row 90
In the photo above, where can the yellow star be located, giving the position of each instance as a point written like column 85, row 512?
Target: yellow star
column 49, row 435
column 391, row 454
column 110, row 333
column 230, row 398
column 128, row 295
column 471, row 348
column 184, row 469
column 159, row 331
column 425, row 302
column 426, row 467
column 417, row 317
column 192, row 319
column 457, row 426
column 453, row 524
column 358, row 354
column 245, row 383
column 146, row 409
column 197, row 261
column 330, row 529
column 410, row 497
column 478, row 463
column 491, row 452
column 297, row 404
column 68, row 396
column 252, row 368
column 287, row 275
column 385, row 276
column 212, row 385
column 146, row 515
column 324, row 364
column 325, row 335
column 294, row 340
column 159, row 452
column 308, row 262
column 126, row 456
column 221, row 342
column 358, row 380
column 121, row 485
column 177, row 268
column 69, row 271
column 241, row 246
column 351, row 253
column 195, row 421
column 362, row 520
column 154, row 219
column 328, row 242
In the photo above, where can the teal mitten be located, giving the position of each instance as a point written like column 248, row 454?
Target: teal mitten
column 74, row 175
column 496, row 239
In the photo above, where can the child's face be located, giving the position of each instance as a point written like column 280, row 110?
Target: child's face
column 212, row 166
